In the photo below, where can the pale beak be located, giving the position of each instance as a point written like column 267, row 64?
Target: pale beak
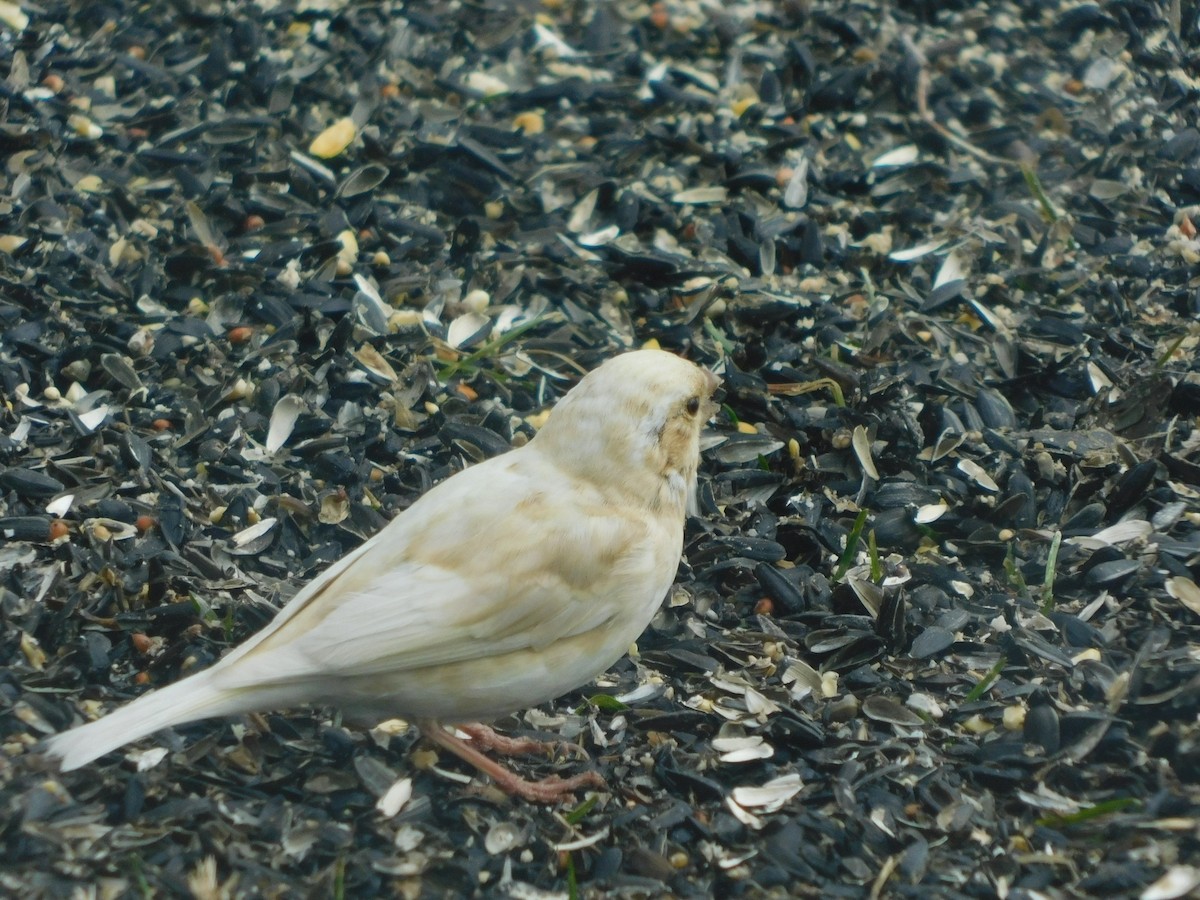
column 711, row 405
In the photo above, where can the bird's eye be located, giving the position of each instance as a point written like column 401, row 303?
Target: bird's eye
column 693, row 406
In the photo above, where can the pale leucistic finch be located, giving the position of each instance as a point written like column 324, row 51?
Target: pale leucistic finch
column 508, row 584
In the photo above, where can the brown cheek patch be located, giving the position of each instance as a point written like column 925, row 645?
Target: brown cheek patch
column 677, row 442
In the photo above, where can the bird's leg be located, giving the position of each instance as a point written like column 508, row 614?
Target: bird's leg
column 547, row 790
column 489, row 739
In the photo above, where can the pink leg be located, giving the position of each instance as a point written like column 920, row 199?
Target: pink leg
column 547, row 790
column 489, row 739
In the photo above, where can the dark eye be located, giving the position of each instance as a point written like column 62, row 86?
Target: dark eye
column 693, row 406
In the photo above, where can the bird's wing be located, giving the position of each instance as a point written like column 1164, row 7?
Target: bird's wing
column 484, row 565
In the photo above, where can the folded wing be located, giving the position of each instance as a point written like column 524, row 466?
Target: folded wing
column 525, row 567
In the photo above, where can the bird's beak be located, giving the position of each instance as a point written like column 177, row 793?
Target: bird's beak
column 712, row 405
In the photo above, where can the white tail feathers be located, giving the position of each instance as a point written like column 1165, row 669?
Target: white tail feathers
column 187, row 700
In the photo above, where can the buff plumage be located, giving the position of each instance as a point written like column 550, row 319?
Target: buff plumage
column 504, row 586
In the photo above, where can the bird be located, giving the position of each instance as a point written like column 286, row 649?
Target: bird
column 506, row 585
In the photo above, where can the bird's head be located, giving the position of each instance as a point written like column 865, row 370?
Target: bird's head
column 633, row 424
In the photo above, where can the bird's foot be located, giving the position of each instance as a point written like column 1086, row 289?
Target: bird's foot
column 487, row 738
column 547, row 790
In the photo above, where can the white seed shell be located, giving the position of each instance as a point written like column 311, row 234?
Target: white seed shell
column 283, row 420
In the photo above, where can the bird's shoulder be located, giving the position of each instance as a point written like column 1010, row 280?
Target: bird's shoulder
column 522, row 512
